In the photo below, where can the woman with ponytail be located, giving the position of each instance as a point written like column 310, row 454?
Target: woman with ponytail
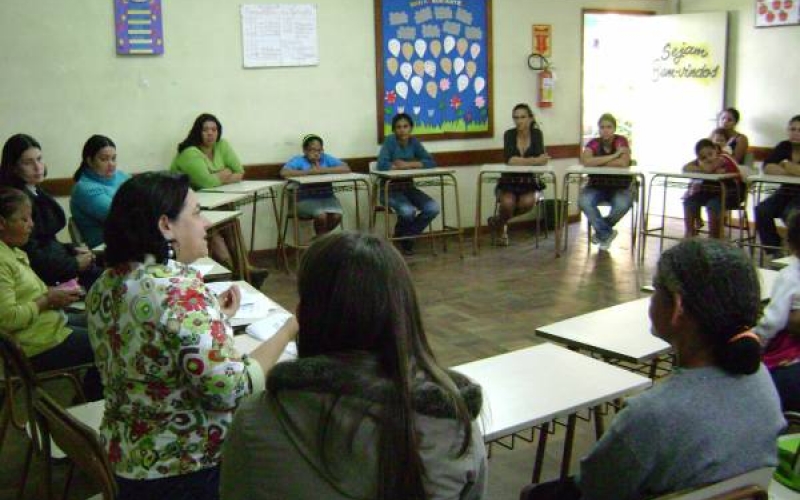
column 717, row 415
column 96, row 181
column 365, row 411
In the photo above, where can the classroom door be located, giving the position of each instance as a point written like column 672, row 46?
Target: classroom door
column 663, row 77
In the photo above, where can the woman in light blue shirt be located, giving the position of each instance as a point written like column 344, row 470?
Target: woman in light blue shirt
column 317, row 201
column 96, row 181
column 415, row 210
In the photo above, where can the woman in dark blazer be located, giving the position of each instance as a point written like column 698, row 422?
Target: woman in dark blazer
column 517, row 193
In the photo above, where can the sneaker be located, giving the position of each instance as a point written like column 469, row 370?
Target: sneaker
column 606, row 243
column 595, row 239
column 502, row 240
column 407, row 247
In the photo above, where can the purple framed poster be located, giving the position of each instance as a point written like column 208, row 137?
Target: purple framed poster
column 138, row 27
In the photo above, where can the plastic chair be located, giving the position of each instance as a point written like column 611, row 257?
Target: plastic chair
column 78, row 441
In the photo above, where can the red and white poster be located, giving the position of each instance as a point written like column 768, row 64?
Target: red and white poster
column 777, row 13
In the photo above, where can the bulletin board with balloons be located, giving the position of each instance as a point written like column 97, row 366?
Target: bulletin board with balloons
column 433, row 62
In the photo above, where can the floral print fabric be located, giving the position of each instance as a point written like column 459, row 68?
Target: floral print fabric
column 170, row 373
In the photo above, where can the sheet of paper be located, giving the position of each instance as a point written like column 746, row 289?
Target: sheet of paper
column 203, row 269
column 279, row 35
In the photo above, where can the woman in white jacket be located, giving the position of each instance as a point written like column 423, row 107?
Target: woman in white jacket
column 779, row 328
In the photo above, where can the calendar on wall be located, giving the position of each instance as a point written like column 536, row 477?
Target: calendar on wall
column 139, row 30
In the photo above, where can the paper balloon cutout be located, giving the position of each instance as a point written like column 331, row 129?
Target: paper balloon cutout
column 430, row 68
column 480, row 84
column 446, row 64
column 391, row 65
column 458, row 65
column 394, row 47
column 449, row 44
column 416, row 84
column 419, row 67
column 475, row 50
column 462, row 46
column 471, row 68
column 419, row 47
column 405, row 70
column 407, row 50
column 416, row 109
column 431, row 89
column 436, row 48
column 462, row 82
column 402, row 89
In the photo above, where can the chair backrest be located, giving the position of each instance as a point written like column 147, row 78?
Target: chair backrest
column 76, row 440
column 373, row 166
column 19, row 377
column 74, row 232
column 750, row 485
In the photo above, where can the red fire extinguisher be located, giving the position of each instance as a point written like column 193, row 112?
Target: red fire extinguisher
column 545, row 85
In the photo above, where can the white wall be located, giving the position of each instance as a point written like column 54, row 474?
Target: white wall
column 763, row 73
column 62, row 80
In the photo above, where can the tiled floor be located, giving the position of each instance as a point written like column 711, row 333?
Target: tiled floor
column 482, row 306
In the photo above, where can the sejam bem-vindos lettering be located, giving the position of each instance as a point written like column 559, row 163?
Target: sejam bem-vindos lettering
column 671, row 63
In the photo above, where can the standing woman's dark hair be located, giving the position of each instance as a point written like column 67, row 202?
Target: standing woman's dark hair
column 90, row 149
column 720, row 290
column 402, row 116
column 356, row 295
column 131, row 230
column 195, row 137
column 12, row 152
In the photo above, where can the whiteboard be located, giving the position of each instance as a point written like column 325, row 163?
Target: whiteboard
column 279, row 35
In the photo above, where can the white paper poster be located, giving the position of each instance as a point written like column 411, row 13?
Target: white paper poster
column 279, row 35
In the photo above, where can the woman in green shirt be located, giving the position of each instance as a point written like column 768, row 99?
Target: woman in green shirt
column 209, row 161
column 32, row 312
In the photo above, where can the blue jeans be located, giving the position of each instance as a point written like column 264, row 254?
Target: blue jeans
column 787, row 382
column 415, row 210
column 781, row 204
column 621, row 200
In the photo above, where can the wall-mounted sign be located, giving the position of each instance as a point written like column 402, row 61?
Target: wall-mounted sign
column 138, row 27
column 542, row 39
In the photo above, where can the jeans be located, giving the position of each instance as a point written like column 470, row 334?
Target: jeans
column 406, row 203
column 75, row 350
column 787, row 382
column 200, row 485
column 780, row 204
column 621, row 200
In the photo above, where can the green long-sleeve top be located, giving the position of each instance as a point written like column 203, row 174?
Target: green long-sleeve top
column 36, row 331
column 201, row 170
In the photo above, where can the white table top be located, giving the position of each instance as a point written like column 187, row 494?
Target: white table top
column 776, row 179
column 629, row 171
column 621, row 331
column 247, row 289
column 249, row 187
column 694, row 175
column 413, row 172
column 502, row 168
column 211, row 200
column 768, row 277
column 216, row 270
column 316, row 179
column 519, row 390
column 217, row 217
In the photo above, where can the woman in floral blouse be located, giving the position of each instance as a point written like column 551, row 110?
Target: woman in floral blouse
column 164, row 346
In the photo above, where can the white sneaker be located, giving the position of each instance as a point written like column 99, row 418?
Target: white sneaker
column 606, row 244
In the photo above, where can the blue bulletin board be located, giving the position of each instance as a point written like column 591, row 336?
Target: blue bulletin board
column 433, row 61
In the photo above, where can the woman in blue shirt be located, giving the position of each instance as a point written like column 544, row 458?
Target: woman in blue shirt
column 316, row 201
column 96, row 181
column 414, row 209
